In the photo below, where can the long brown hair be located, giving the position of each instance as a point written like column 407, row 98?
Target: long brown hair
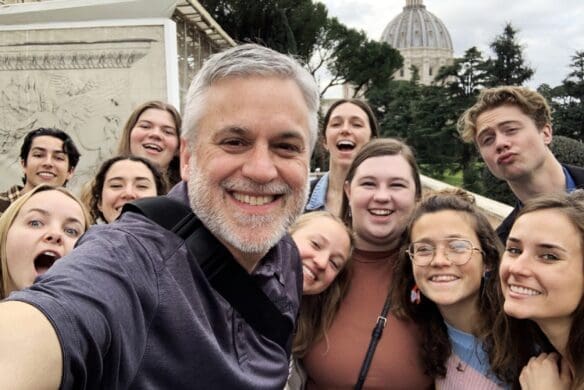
column 172, row 174
column 318, row 311
column 435, row 344
column 525, row 336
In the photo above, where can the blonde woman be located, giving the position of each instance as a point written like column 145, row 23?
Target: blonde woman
column 325, row 244
column 35, row 231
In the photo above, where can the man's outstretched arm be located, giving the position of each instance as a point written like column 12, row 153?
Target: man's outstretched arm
column 30, row 354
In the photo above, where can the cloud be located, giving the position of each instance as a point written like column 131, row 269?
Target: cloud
column 550, row 32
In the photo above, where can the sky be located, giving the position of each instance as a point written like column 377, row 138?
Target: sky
column 550, row 31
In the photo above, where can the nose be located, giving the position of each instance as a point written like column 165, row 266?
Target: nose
column 518, row 266
column 259, row 166
column 346, row 127
column 382, row 194
column 129, row 192
column 321, row 260
column 501, row 142
column 155, row 133
column 53, row 235
column 48, row 161
column 440, row 259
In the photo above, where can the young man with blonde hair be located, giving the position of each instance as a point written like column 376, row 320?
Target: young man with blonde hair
column 512, row 129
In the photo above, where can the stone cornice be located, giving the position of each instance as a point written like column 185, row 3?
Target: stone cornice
column 71, row 55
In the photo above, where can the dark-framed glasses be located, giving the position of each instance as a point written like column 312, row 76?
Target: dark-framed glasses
column 458, row 251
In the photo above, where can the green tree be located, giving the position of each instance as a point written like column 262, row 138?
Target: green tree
column 567, row 101
column 289, row 26
column 508, row 67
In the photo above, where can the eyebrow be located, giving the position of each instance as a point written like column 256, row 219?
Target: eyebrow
column 508, row 122
column 46, row 213
column 129, row 178
column 244, row 132
column 41, row 149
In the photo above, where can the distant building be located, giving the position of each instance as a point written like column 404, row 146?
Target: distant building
column 422, row 39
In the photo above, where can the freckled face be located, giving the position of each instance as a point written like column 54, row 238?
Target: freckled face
column 542, row 268
column 443, row 282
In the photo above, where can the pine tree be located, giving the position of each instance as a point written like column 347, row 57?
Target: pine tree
column 508, row 67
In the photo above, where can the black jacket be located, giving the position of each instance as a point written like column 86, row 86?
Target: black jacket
column 505, row 226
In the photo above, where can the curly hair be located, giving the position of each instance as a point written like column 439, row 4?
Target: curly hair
column 92, row 197
column 435, row 344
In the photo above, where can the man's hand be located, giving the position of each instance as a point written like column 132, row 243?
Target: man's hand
column 543, row 372
column 30, row 354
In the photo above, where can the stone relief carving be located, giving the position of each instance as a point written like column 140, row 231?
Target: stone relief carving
column 86, row 87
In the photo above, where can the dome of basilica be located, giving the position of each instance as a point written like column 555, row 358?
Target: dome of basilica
column 416, row 27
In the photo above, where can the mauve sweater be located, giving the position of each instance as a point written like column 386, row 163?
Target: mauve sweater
column 396, row 363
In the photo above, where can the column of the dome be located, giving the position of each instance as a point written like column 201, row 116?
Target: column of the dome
column 414, row 3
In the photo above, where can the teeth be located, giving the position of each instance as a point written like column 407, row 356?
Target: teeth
column 153, row 146
column 443, row 278
column 523, row 290
column 345, row 143
column 382, row 212
column 48, row 253
column 253, row 200
column 308, row 272
column 46, row 174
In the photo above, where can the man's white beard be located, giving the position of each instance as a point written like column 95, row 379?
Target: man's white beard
column 249, row 239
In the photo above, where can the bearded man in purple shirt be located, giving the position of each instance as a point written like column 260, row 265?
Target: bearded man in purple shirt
column 130, row 308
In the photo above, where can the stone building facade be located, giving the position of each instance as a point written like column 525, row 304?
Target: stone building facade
column 83, row 67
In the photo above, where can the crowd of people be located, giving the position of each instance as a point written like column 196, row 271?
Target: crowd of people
column 249, row 275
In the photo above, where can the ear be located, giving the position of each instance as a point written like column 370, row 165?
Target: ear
column 324, row 144
column 70, row 174
column 547, row 134
column 185, row 159
column 23, row 164
column 347, row 188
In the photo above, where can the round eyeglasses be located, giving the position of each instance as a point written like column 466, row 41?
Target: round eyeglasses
column 457, row 251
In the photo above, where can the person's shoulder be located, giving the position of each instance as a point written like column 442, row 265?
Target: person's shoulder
column 504, row 227
column 576, row 172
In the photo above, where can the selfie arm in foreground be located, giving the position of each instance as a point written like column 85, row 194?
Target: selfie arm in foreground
column 30, row 354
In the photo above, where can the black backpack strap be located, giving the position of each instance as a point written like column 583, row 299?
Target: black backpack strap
column 222, row 271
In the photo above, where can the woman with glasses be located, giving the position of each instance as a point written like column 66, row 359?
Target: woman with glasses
column 446, row 280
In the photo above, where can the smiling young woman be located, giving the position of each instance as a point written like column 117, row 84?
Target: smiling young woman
column 152, row 132
column 348, row 125
column 381, row 189
column 446, row 281
column 542, row 277
column 35, row 231
column 119, row 180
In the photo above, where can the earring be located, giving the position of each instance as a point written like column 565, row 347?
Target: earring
column 415, row 295
column 486, row 274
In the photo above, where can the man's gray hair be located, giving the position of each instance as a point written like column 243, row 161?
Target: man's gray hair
column 249, row 60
